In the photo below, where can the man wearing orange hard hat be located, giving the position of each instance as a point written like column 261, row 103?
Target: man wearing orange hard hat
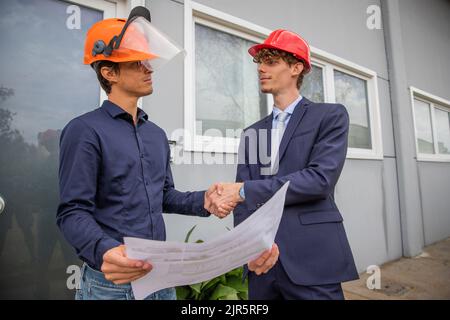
column 307, row 143
column 114, row 176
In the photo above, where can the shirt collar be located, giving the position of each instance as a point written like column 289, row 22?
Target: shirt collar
column 115, row 111
column 290, row 108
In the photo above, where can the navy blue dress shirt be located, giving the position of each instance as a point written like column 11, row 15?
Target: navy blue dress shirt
column 115, row 181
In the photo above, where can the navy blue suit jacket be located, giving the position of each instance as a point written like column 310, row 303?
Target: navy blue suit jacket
column 314, row 249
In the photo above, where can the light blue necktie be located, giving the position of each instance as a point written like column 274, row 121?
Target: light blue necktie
column 277, row 135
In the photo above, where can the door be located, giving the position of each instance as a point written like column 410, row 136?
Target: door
column 43, row 85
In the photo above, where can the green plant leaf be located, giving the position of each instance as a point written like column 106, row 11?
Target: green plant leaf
column 236, row 283
column 222, row 291
column 236, row 272
column 189, row 234
column 211, row 283
column 183, row 292
column 233, row 296
column 196, row 287
column 223, row 279
column 243, row 295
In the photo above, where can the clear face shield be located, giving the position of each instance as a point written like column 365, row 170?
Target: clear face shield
column 139, row 40
column 143, row 38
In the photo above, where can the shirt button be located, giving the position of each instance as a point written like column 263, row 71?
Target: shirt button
column 146, row 182
column 142, row 155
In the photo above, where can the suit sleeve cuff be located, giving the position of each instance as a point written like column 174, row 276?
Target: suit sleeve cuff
column 257, row 192
column 199, row 205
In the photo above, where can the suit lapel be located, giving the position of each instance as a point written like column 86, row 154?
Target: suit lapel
column 296, row 117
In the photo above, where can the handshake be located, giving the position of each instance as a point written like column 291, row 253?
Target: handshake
column 222, row 198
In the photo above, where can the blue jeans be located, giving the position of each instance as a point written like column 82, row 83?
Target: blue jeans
column 94, row 286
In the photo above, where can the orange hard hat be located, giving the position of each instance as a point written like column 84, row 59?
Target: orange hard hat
column 100, row 35
column 287, row 41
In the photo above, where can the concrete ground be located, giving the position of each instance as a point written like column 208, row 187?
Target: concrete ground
column 426, row 277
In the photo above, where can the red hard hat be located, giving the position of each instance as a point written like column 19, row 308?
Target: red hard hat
column 287, row 41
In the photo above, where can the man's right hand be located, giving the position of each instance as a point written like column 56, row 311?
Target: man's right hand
column 121, row 270
column 222, row 198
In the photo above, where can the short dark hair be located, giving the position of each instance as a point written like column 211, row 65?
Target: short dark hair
column 269, row 53
column 98, row 65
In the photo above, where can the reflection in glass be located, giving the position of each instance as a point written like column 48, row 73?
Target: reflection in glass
column 352, row 93
column 312, row 87
column 43, row 84
column 227, row 94
column 424, row 133
column 443, row 130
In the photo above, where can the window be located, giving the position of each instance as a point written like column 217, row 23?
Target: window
column 222, row 94
column 42, row 63
column 443, row 130
column 227, row 94
column 337, row 81
column 432, row 126
column 424, row 132
column 222, row 87
column 352, row 93
column 312, row 87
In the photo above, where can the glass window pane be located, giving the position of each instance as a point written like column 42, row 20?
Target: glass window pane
column 43, row 84
column 42, row 62
column 424, row 134
column 442, row 130
column 352, row 93
column 227, row 94
column 312, row 87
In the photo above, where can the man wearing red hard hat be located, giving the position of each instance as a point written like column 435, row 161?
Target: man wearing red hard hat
column 307, row 143
column 115, row 175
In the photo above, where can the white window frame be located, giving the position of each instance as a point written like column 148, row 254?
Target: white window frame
column 329, row 63
column 435, row 102
column 197, row 12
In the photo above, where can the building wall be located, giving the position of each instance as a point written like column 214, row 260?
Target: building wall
column 426, row 41
column 368, row 199
column 434, row 185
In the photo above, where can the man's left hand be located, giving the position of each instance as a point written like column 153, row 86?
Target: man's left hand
column 265, row 261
